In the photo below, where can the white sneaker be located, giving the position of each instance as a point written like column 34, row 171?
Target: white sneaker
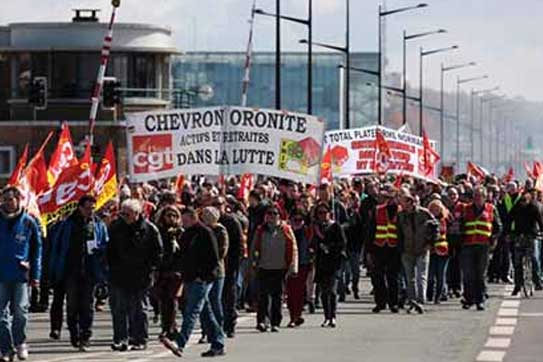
column 22, row 352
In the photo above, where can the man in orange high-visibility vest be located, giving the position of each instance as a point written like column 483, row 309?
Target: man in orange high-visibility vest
column 481, row 223
column 383, row 255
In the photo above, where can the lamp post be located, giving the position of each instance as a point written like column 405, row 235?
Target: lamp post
column 423, row 54
column 444, row 70
column 404, row 71
column 309, row 23
column 458, row 83
column 483, row 101
column 383, row 13
column 472, row 116
column 344, row 50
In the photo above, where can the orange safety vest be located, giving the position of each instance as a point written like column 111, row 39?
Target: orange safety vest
column 386, row 232
column 441, row 246
column 478, row 229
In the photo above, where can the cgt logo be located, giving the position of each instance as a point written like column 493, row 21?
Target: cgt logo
column 152, row 153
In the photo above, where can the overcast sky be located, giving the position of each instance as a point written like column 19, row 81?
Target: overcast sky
column 503, row 36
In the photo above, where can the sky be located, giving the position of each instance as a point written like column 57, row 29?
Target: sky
column 502, row 36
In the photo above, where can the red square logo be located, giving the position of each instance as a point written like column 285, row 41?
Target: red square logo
column 152, row 153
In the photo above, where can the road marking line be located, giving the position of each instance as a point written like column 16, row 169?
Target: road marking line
column 502, row 331
column 506, row 321
column 509, row 296
column 498, row 343
column 75, row 356
column 510, row 304
column 509, row 287
column 491, row 356
column 509, row 312
column 531, row 314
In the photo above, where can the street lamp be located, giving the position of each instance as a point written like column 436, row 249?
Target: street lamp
column 483, row 101
column 404, row 72
column 458, row 83
column 309, row 23
column 344, row 50
column 423, row 54
column 382, row 14
column 442, row 102
column 277, row 52
column 472, row 116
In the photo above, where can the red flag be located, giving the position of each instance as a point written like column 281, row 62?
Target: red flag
column 63, row 156
column 179, row 183
column 398, row 181
column 477, row 171
column 246, row 184
column 528, row 170
column 326, row 167
column 35, row 173
column 106, row 185
column 18, row 171
column 510, row 175
column 431, row 157
column 382, row 153
column 538, row 169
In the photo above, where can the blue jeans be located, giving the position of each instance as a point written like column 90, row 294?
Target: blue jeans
column 436, row 276
column 128, row 315
column 16, row 295
column 196, row 295
column 354, row 264
column 416, row 271
column 215, row 304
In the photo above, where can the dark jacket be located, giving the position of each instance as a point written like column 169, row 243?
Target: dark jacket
column 222, row 243
column 20, row 241
column 526, row 218
column 367, row 219
column 69, row 250
column 354, row 232
column 330, row 244
column 171, row 242
column 236, row 246
column 200, row 252
column 134, row 252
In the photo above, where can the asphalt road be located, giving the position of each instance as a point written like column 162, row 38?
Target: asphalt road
column 446, row 333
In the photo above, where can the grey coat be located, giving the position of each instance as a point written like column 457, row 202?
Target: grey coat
column 417, row 231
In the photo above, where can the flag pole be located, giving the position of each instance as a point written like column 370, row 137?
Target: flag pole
column 248, row 59
column 104, row 58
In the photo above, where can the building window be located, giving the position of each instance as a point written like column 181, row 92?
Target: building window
column 7, row 160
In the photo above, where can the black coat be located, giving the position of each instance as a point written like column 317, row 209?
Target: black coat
column 171, row 240
column 200, row 252
column 235, row 241
column 134, row 252
column 330, row 250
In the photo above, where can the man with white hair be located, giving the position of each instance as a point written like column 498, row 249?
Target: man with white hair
column 134, row 252
column 20, row 264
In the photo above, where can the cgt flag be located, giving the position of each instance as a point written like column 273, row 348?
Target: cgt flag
column 431, row 157
column 382, row 153
column 476, row 171
column 73, row 183
column 63, row 156
column 106, row 184
column 18, row 171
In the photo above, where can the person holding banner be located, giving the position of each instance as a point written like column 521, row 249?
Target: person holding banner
column 77, row 263
column 20, row 265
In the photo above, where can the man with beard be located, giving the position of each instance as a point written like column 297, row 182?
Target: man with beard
column 77, row 262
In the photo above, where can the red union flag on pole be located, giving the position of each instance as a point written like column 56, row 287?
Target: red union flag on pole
column 476, row 171
column 382, row 153
column 105, row 186
column 431, row 157
column 246, row 185
column 73, row 183
column 18, row 171
column 63, row 156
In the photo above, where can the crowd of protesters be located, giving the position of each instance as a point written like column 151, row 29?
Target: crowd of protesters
column 210, row 250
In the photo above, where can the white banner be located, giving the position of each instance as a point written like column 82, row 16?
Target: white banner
column 224, row 141
column 352, row 152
